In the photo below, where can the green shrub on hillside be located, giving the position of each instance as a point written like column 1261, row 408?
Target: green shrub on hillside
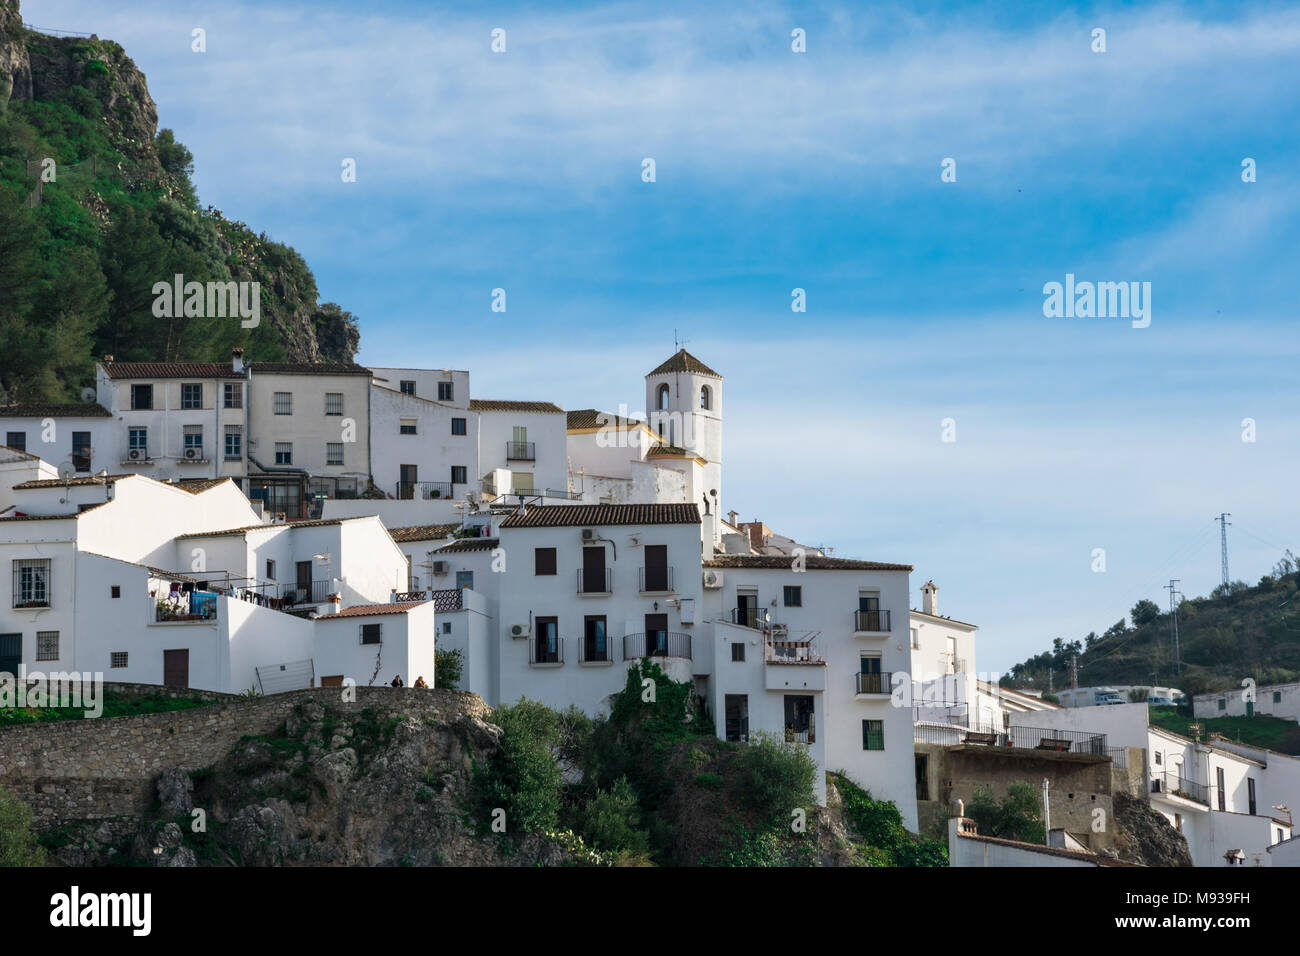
column 523, row 779
column 18, row 845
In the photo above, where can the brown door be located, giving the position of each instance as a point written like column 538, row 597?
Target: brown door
column 656, row 567
column 593, row 570
column 176, row 668
column 656, row 634
column 332, row 680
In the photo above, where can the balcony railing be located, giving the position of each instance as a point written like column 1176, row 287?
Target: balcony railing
column 1042, row 739
column 801, row 735
column 305, row 594
column 745, row 616
column 595, row 581
column 657, row 579
column 424, row 489
column 520, row 451
column 656, row 644
column 791, row 652
column 196, row 606
column 543, row 651
column 875, row 621
column 880, row 683
column 1168, row 782
column 593, row 653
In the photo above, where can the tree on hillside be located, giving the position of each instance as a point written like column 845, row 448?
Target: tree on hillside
column 1019, row 816
column 1144, row 612
column 18, row 846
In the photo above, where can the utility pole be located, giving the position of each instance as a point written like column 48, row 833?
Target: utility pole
column 1074, row 671
column 1223, row 536
column 1173, row 624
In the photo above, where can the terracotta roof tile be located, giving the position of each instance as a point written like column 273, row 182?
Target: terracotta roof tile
column 495, row 405
column 423, row 532
column 557, row 516
column 117, row 370
column 55, row 410
column 309, row 368
column 469, row 544
column 812, row 561
column 684, row 361
column 595, row 418
column 367, row 610
column 75, row 482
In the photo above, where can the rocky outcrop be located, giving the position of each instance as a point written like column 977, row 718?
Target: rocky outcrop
column 331, row 787
column 1145, row 837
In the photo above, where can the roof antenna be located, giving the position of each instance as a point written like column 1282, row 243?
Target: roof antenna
column 677, row 345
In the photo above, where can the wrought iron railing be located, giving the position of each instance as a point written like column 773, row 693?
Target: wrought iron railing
column 1042, row 739
column 542, row 650
column 657, row 579
column 877, row 683
column 520, row 451
column 1168, row 782
column 791, row 652
column 656, row 644
column 426, row 490
column 871, row 621
column 745, row 616
column 594, row 653
column 595, row 581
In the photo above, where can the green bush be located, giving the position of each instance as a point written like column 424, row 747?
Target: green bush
column 448, row 667
column 18, row 846
column 1018, row 817
column 524, row 779
column 880, row 825
column 773, row 777
column 612, row 822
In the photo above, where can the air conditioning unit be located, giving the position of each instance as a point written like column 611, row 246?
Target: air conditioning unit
column 135, row 454
column 588, row 534
column 713, row 579
column 193, row 454
column 440, row 567
column 521, row 630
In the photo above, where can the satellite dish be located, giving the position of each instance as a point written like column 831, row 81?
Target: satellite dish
column 67, row 472
column 87, row 395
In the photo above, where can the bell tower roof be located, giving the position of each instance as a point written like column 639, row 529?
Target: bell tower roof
column 684, row 361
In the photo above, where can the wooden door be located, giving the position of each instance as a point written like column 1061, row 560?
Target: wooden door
column 176, row 668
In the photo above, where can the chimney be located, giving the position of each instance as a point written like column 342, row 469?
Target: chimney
column 930, row 598
column 332, row 602
column 731, row 517
column 237, row 359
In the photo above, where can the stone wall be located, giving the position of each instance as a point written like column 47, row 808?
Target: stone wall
column 1078, row 784
column 105, row 767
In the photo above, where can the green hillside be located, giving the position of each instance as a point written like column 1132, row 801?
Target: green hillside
column 97, row 205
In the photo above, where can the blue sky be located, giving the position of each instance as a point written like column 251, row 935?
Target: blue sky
column 820, row 170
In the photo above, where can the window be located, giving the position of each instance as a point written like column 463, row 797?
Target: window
column 115, row 591
column 1250, row 793
column 737, row 651
column 234, row 395
column 191, row 395
column 1223, row 798
column 458, row 474
column 194, row 439
column 18, row 440
column 284, row 403
column 142, row 396
column 138, row 440
column 47, row 645
column 736, row 715
column 407, row 426
column 333, row 403
column 1277, row 697
column 458, row 426
column 543, row 561
column 270, row 569
column 595, row 645
column 1159, row 758
column 465, row 580
column 1222, row 704
column 661, row 400
column 32, row 582
column 522, row 482
column 81, row 451
column 546, row 650
column 446, row 627
column 705, row 398
column 800, row 719
column 444, row 392
column 370, row 634
column 117, row 659
column 234, row 442
column 407, row 387
column 916, row 638
column 793, row 596
column 873, row 735
column 284, row 453
column 334, row 453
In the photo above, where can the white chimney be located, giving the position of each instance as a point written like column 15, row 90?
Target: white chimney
column 237, row 360
column 332, row 602
column 930, row 598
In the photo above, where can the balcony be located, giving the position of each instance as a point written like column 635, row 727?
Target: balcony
column 654, row 580
column 873, row 685
column 313, row 593
column 595, row 581
column 784, row 651
column 745, row 616
column 521, row 451
column 656, row 644
column 871, row 622
column 544, row 652
column 594, row 653
column 424, row 490
column 1039, row 740
column 180, row 607
column 1169, row 784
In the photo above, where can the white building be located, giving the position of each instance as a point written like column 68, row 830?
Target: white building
column 79, row 436
column 944, row 676
column 1276, row 700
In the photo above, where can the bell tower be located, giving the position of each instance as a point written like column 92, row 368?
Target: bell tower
column 684, row 406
